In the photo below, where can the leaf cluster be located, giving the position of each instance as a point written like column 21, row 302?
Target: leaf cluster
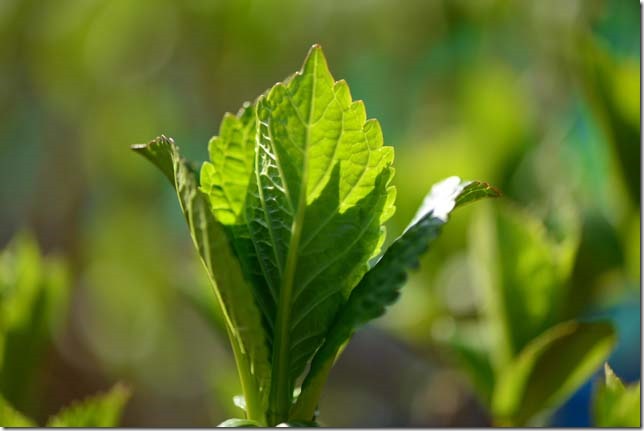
column 288, row 218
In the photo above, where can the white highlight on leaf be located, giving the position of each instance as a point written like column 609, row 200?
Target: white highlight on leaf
column 441, row 199
column 240, row 402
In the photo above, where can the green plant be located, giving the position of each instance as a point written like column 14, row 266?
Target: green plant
column 33, row 298
column 288, row 218
column 527, row 355
column 616, row 405
column 98, row 411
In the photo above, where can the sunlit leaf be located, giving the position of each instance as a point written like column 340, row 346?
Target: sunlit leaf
column 289, row 211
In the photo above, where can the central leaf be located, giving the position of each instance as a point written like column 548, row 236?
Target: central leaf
column 302, row 182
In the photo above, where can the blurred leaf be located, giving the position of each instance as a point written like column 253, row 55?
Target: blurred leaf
column 380, row 287
column 298, row 424
column 234, row 294
column 9, row 417
column 616, row 405
column 550, row 369
column 98, row 411
column 33, row 299
column 523, row 274
column 474, row 358
column 612, row 88
column 239, row 423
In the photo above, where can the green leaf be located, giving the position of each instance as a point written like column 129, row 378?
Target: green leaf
column 298, row 424
column 616, row 405
column 471, row 352
column 33, row 299
column 550, row 369
column 322, row 194
column 317, row 196
column 233, row 291
column 379, row 288
column 239, row 423
column 225, row 178
column 10, row 417
column 522, row 272
column 99, row 411
column 295, row 196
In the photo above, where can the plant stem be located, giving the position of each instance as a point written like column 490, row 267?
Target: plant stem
column 252, row 397
column 249, row 386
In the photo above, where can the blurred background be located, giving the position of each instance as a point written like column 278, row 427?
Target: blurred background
column 540, row 98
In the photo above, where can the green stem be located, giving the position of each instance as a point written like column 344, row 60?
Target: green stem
column 281, row 385
column 252, row 399
column 307, row 403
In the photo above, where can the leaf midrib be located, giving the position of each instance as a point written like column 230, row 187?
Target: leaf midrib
column 280, row 389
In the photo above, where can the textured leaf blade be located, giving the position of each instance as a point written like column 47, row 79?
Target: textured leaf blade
column 616, row 405
column 225, row 178
column 234, row 293
column 98, row 411
column 318, row 194
column 380, row 286
column 550, row 369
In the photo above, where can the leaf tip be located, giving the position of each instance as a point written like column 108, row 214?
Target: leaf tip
column 314, row 56
column 158, row 140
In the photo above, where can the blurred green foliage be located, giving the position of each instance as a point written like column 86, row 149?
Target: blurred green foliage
column 34, row 293
column 616, row 405
column 98, row 411
column 540, row 98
